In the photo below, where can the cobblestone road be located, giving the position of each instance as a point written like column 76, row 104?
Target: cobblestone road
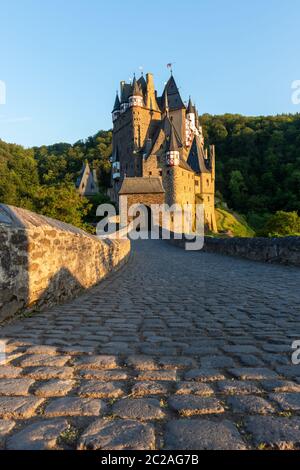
column 179, row 350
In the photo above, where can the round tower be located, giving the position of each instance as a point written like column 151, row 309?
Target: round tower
column 116, row 110
column 136, row 97
column 172, row 151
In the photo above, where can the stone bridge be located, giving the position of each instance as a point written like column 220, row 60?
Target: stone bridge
column 177, row 350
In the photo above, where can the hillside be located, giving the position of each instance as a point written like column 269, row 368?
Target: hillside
column 232, row 224
column 257, row 163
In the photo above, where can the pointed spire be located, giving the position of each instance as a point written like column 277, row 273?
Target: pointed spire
column 117, row 103
column 142, row 84
column 172, row 145
column 196, row 117
column 190, row 108
column 174, row 98
column 136, row 91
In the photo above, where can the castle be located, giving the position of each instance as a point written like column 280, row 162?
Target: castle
column 158, row 153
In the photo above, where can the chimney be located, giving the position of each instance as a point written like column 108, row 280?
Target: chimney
column 150, row 95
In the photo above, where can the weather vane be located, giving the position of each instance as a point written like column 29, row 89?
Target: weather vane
column 170, row 67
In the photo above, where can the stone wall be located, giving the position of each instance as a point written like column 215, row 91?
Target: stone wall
column 271, row 250
column 44, row 261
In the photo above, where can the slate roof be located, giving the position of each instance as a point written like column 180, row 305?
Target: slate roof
column 196, row 159
column 141, row 185
column 184, row 165
column 142, row 83
column 136, row 90
column 117, row 103
column 126, row 92
column 163, row 130
column 190, row 108
column 172, row 142
column 174, row 98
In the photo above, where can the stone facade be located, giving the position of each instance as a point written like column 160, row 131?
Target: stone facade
column 44, row 261
column 160, row 137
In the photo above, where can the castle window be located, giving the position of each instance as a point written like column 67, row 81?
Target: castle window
column 160, row 172
column 207, row 182
column 197, row 183
column 150, row 173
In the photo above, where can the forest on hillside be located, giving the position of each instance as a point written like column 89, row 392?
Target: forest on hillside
column 42, row 179
column 257, row 169
column 257, row 163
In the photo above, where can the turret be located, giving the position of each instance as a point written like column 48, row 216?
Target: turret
column 125, row 92
column 190, row 114
column 116, row 110
column 172, row 151
column 136, row 96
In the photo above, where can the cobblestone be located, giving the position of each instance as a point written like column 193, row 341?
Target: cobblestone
column 18, row 407
column 173, row 333
column 138, row 408
column 15, row 387
column 38, row 436
column 204, row 375
column 96, row 362
column 188, row 405
column 72, row 406
column 9, row 372
column 118, row 435
column 271, row 432
column 200, row 434
column 151, row 388
column 158, row 375
column 5, row 428
column 250, row 404
column 194, row 388
column 287, row 401
column 54, row 388
column 96, row 389
column 236, row 387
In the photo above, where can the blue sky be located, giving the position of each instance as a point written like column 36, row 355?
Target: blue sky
column 62, row 61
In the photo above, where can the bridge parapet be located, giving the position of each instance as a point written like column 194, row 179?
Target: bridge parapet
column 44, row 261
column 285, row 250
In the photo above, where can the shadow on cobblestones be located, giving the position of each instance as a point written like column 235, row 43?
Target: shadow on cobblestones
column 178, row 350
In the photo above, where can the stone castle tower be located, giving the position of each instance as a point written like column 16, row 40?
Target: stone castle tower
column 159, row 155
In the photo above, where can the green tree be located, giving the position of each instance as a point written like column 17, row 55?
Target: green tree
column 237, row 188
column 62, row 202
column 282, row 224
